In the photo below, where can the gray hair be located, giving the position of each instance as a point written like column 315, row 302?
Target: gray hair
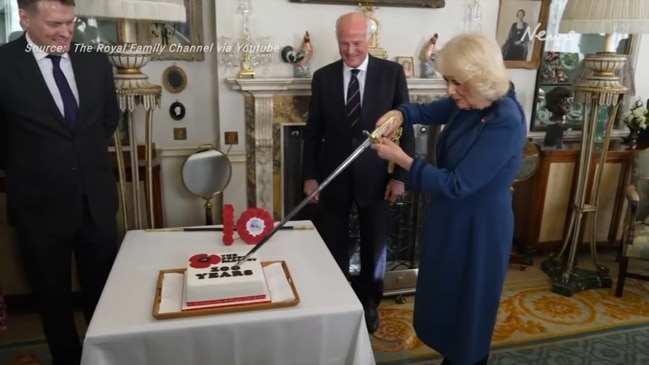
column 368, row 21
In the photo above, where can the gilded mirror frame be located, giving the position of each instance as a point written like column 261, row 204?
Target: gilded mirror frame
column 569, row 66
column 170, row 85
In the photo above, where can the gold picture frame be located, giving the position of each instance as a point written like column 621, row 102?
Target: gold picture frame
column 174, row 79
column 181, row 41
column 408, row 64
column 521, row 46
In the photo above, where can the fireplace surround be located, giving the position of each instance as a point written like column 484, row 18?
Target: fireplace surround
column 271, row 104
column 275, row 111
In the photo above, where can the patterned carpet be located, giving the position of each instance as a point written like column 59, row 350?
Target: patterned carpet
column 536, row 326
column 25, row 353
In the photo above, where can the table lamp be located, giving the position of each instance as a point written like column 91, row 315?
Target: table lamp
column 133, row 86
column 602, row 88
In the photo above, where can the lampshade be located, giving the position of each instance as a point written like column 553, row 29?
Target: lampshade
column 143, row 10
column 605, row 16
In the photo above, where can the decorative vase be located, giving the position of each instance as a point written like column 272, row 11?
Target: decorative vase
column 632, row 139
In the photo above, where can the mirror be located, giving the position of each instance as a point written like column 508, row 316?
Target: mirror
column 205, row 174
column 174, row 79
column 561, row 66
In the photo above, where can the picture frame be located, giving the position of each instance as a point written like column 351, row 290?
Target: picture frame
column 174, row 79
column 521, row 31
column 177, row 110
column 434, row 4
column 562, row 66
column 182, row 41
column 408, row 64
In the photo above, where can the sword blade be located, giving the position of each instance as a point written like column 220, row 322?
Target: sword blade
column 371, row 138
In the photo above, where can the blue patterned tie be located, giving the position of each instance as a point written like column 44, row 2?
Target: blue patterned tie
column 70, row 106
column 353, row 104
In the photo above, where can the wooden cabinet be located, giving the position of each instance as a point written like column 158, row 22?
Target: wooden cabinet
column 542, row 204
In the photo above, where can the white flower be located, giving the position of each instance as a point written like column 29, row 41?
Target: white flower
column 636, row 116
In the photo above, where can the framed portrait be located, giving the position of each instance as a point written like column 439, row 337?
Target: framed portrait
column 408, row 64
column 521, row 31
column 178, row 41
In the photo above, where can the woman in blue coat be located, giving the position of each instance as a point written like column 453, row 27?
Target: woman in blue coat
column 469, row 225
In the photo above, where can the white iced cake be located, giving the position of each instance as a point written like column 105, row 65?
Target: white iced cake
column 216, row 280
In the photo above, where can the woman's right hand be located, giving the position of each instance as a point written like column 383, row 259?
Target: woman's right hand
column 397, row 121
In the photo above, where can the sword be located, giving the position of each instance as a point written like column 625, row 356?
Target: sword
column 371, row 138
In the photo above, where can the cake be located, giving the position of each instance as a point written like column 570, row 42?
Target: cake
column 216, row 280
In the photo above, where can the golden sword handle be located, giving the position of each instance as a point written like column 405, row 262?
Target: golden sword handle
column 394, row 137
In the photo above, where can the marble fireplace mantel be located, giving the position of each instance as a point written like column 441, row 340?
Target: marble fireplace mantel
column 271, row 102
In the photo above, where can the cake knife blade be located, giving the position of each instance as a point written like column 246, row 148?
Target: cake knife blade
column 371, row 138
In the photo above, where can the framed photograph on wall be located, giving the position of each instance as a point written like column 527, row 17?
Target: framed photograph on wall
column 181, row 41
column 408, row 64
column 521, row 31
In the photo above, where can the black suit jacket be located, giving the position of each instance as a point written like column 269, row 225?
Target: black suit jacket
column 46, row 163
column 328, row 138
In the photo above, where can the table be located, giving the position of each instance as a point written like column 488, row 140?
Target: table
column 326, row 327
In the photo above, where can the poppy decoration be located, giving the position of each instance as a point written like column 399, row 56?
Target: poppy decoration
column 228, row 224
column 203, row 261
column 254, row 224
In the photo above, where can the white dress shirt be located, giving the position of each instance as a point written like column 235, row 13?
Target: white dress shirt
column 347, row 75
column 45, row 64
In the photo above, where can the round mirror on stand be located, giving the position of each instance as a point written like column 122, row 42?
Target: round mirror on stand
column 529, row 165
column 206, row 173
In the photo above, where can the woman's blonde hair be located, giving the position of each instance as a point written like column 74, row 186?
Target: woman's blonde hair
column 476, row 61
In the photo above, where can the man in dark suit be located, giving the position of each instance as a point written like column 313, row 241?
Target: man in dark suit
column 58, row 111
column 347, row 97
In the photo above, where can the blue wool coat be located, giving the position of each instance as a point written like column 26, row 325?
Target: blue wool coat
column 468, row 233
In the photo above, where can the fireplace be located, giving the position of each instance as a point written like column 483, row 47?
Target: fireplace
column 275, row 112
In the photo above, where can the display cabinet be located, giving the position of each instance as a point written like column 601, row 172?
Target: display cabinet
column 542, row 203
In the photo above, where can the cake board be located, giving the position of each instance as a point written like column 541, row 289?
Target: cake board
column 221, row 310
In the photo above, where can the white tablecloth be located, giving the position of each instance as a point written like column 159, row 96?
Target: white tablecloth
column 326, row 327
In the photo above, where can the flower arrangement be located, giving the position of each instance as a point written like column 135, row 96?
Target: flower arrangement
column 637, row 116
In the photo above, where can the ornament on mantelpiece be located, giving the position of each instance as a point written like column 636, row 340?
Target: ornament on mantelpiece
column 474, row 16
column 375, row 26
column 428, row 56
column 300, row 58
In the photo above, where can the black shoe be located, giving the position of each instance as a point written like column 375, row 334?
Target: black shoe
column 372, row 320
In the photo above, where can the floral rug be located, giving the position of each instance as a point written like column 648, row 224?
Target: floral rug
column 529, row 314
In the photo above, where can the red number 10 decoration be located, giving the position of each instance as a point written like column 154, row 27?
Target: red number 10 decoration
column 253, row 225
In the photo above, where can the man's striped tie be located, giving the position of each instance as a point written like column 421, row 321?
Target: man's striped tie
column 353, row 104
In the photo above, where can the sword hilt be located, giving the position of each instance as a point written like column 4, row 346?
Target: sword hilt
column 379, row 131
column 394, row 137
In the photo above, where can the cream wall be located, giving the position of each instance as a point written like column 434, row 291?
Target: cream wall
column 213, row 108
column 404, row 32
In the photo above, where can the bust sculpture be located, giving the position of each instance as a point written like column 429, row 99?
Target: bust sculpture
column 558, row 101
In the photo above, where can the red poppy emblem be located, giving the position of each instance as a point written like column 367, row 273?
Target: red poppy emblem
column 254, row 224
column 484, row 119
column 202, row 261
